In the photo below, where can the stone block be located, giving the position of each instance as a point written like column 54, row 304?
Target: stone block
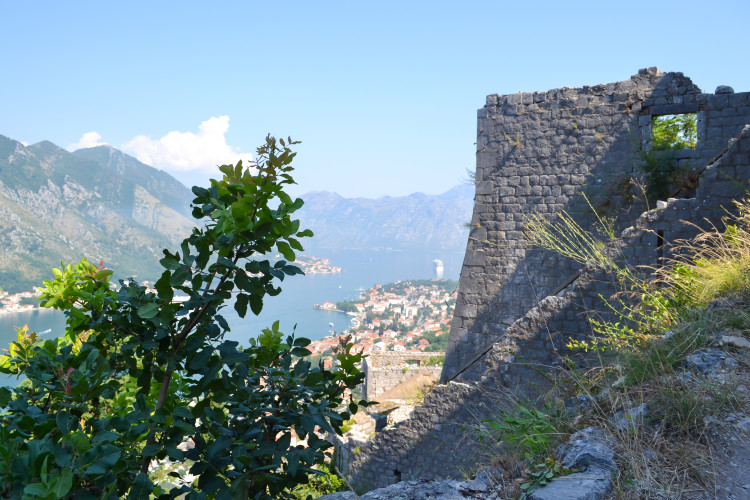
column 484, row 188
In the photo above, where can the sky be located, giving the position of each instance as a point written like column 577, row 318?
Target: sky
column 383, row 95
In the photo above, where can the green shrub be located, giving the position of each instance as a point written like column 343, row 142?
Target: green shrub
column 324, row 481
column 435, row 360
column 532, row 430
column 136, row 375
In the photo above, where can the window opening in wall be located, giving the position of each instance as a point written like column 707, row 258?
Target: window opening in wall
column 675, row 132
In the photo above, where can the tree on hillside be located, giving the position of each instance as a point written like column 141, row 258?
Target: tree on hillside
column 140, row 382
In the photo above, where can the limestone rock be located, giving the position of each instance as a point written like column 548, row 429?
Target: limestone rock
column 477, row 488
column 416, row 490
column 733, row 341
column 580, row 404
column 744, row 425
column 591, row 450
column 710, row 361
column 580, row 486
column 342, row 495
column 587, row 448
column 630, row 418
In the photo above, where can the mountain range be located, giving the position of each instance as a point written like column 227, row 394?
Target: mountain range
column 97, row 203
column 102, row 204
column 415, row 222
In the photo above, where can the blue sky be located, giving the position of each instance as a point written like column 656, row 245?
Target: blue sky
column 382, row 94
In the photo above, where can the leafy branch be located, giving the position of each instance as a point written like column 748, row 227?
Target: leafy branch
column 139, row 378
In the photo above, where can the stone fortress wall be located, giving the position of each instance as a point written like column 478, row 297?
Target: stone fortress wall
column 517, row 306
column 389, row 369
column 537, row 153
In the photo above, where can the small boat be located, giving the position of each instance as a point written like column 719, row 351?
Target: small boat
column 330, row 324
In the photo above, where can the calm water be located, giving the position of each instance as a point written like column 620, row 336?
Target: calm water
column 361, row 270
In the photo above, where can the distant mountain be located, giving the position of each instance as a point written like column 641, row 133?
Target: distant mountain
column 97, row 203
column 171, row 191
column 102, row 204
column 415, row 222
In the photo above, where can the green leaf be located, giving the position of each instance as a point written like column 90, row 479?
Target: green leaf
column 170, row 261
column 201, row 358
column 107, row 456
column 150, row 450
column 164, row 288
column 240, row 304
column 285, row 250
column 313, row 379
column 292, row 270
column 80, row 441
column 5, row 396
column 35, row 490
column 302, row 342
column 293, row 461
column 300, row 352
column 102, row 437
column 285, row 198
column 148, row 310
column 104, row 273
column 62, row 419
column 182, row 412
column 295, row 244
column 63, row 483
column 242, row 281
column 142, row 487
column 256, row 303
column 180, row 275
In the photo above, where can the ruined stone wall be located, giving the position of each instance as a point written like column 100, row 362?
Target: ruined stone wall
column 441, row 439
column 386, row 370
column 529, row 350
column 523, row 324
column 538, row 153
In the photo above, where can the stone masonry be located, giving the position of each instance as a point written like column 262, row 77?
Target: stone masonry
column 538, row 153
column 388, row 369
column 518, row 306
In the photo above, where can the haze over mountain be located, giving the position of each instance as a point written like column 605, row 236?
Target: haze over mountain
column 102, row 204
column 415, row 222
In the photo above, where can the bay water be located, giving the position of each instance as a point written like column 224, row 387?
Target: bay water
column 361, row 270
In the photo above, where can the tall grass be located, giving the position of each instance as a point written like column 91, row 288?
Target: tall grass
column 717, row 264
column 702, row 292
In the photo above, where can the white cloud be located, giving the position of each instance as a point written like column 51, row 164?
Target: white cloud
column 187, row 151
column 87, row 140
